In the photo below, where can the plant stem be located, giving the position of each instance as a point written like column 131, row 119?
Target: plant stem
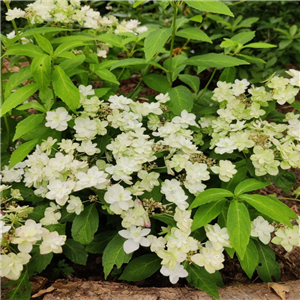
column 209, row 81
column 12, row 21
column 175, row 5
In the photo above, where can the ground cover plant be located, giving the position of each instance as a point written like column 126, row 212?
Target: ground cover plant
column 158, row 183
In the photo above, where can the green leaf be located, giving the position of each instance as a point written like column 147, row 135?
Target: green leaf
column 228, row 75
column 18, row 97
column 16, row 79
column 75, row 252
column 21, row 287
column 65, row 89
column 207, row 213
column 268, row 268
column 197, row 18
column 66, row 54
column 112, row 39
column 101, row 92
column 250, row 260
column 132, row 62
column 166, row 218
column 32, row 105
column 21, row 152
column 193, row 33
column 296, row 105
column 244, row 37
column 259, row 45
column 180, row 22
column 28, row 124
column 114, row 254
column 67, row 46
column 38, row 262
column 72, row 38
column 141, row 268
column 155, row 42
column 191, row 80
column 284, row 179
column 137, row 3
column 100, row 242
column 44, row 43
column 247, row 22
column 210, row 195
column 239, row 227
column 41, row 70
column 271, row 207
column 42, row 30
column 237, row 178
column 25, row 50
column 214, row 60
column 252, row 59
column 202, row 280
column 107, row 76
column 157, row 82
column 68, row 65
column 85, row 225
column 213, row 6
column 284, row 43
column 249, row 185
column 180, row 98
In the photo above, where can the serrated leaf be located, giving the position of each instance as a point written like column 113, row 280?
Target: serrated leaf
column 21, row 287
column 141, row 268
column 181, row 98
column 210, row 195
column 191, row 80
column 238, row 226
column 32, row 105
column 201, row 279
column 75, row 252
column 194, row 33
column 114, row 254
column 259, row 45
column 28, row 124
column 166, row 218
column 268, row 268
column 112, row 39
column 207, row 213
column 107, row 76
column 18, row 97
column 213, row 6
column 26, row 50
column 16, row 79
column 65, row 89
column 100, row 242
column 157, row 82
column 67, row 46
column 214, row 60
column 244, row 37
column 21, row 152
column 85, row 225
column 41, row 70
column 249, row 185
column 252, row 59
column 250, row 260
column 228, row 75
column 271, row 207
column 44, row 43
column 155, row 42
column 38, row 262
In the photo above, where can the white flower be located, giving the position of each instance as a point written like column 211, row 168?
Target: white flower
column 52, row 242
column 226, row 170
column 60, row 190
column 14, row 14
column 287, row 238
column 75, row 205
column 225, row 145
column 135, row 237
column 262, row 229
column 185, row 120
column 296, row 77
column 209, row 258
column 162, row 98
column 68, row 146
column 27, row 235
column 11, row 265
column 240, row 86
column 101, row 53
column 93, row 178
column 86, row 129
column 88, row 147
column 119, row 102
column 58, row 119
column 86, row 90
column 118, row 198
column 218, row 236
column 174, row 274
column 4, row 228
column 51, row 215
column 156, row 244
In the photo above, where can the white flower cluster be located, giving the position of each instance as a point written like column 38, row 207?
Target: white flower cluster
column 25, row 236
column 69, row 12
column 240, row 126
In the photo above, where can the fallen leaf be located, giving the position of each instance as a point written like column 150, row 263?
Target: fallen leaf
column 279, row 289
column 42, row 292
